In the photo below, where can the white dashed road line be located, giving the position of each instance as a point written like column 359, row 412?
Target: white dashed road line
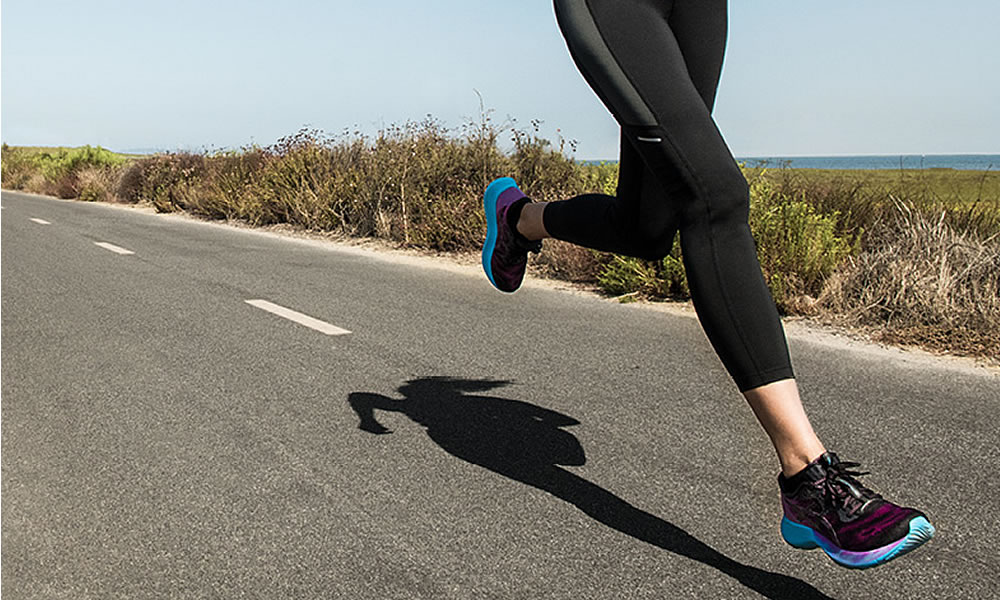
column 113, row 248
column 301, row 319
column 40, row 221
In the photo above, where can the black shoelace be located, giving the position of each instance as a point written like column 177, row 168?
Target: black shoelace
column 842, row 489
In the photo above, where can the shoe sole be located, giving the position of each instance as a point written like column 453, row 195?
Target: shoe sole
column 806, row 538
column 493, row 191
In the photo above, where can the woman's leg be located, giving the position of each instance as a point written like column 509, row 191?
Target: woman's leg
column 701, row 189
column 676, row 83
column 701, row 37
column 661, row 87
column 637, row 221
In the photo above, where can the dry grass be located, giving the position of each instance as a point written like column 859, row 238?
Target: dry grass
column 562, row 260
column 922, row 281
column 96, row 184
column 970, row 199
column 924, row 272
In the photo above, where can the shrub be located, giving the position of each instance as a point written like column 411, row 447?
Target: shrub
column 797, row 245
column 622, row 275
column 599, row 177
column 921, row 280
column 16, row 167
column 835, row 235
column 165, row 180
column 95, row 184
column 54, row 171
column 562, row 260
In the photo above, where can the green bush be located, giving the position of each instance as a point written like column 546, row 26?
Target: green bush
column 64, row 161
column 54, row 171
column 16, row 168
column 798, row 246
column 621, row 275
column 420, row 185
column 600, row 177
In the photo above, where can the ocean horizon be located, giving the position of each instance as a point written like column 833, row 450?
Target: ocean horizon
column 959, row 162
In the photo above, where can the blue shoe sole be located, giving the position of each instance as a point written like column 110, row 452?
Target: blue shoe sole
column 805, row 538
column 493, row 191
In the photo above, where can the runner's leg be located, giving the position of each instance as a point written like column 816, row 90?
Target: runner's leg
column 629, row 53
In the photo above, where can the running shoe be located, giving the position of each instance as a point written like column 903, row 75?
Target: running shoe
column 505, row 251
column 825, row 506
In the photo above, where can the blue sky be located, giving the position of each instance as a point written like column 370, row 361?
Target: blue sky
column 801, row 77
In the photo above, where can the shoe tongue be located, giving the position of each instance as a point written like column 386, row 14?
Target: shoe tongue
column 816, row 470
column 827, row 459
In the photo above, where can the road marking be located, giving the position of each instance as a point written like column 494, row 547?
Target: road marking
column 301, row 319
column 40, row 221
column 113, row 248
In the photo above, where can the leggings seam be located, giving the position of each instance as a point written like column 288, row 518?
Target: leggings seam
column 694, row 177
column 628, row 77
column 743, row 323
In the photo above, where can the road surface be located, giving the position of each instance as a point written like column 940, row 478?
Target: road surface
column 198, row 411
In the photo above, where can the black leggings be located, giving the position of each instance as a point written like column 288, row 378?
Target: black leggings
column 656, row 64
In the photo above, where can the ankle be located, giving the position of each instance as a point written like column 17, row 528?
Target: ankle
column 530, row 223
column 794, row 460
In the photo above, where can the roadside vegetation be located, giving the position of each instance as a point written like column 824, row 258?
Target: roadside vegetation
column 911, row 256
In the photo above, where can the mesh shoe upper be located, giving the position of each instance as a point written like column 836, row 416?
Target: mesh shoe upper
column 510, row 256
column 828, row 498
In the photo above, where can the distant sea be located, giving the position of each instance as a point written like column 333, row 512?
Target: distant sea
column 960, row 162
column 965, row 162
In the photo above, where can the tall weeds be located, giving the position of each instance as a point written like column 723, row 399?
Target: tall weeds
column 922, row 280
column 58, row 172
column 799, row 245
column 921, row 270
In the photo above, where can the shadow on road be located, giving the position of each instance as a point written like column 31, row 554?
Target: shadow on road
column 526, row 443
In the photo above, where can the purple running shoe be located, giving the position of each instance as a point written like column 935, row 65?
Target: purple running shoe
column 505, row 251
column 825, row 506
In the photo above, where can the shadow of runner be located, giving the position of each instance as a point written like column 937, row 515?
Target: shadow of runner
column 526, row 443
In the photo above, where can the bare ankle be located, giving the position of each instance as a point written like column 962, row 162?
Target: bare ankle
column 794, row 460
column 531, row 223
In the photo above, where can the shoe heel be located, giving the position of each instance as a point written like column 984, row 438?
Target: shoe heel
column 797, row 536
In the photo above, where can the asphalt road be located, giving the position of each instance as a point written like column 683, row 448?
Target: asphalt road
column 164, row 438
